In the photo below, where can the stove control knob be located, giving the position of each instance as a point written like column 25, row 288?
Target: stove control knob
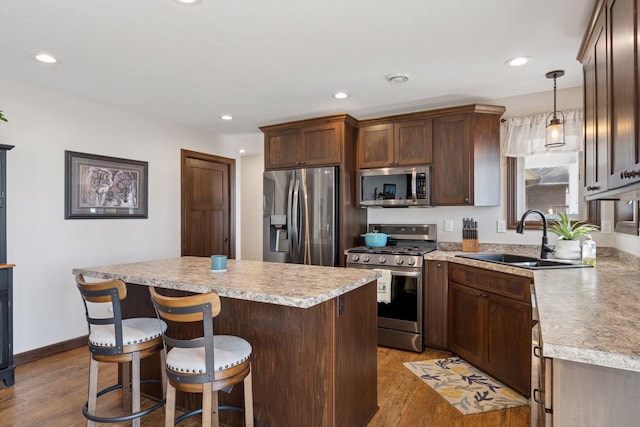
column 399, row 261
column 366, row 258
column 355, row 258
column 411, row 261
column 382, row 259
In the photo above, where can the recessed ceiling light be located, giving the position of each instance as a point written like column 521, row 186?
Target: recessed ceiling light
column 397, row 78
column 188, row 1
column 518, row 61
column 242, row 151
column 226, row 117
column 48, row 59
column 340, row 95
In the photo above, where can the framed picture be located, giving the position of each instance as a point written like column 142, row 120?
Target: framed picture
column 389, row 191
column 104, row 187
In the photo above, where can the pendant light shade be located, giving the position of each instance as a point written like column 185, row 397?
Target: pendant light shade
column 555, row 120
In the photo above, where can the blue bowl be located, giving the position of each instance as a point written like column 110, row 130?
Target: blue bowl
column 375, row 239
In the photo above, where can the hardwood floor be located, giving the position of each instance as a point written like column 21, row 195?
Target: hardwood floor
column 51, row 392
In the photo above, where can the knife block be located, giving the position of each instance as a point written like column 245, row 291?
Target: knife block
column 470, row 245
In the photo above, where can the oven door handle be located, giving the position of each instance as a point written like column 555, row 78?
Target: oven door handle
column 405, row 273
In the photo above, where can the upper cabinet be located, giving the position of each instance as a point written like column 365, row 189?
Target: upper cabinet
column 308, row 143
column 396, row 143
column 466, row 156
column 609, row 54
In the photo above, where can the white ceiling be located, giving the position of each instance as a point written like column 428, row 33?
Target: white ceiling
column 270, row 61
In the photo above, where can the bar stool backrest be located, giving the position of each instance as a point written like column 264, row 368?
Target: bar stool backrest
column 193, row 308
column 111, row 291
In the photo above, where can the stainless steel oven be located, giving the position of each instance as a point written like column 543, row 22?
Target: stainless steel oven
column 401, row 287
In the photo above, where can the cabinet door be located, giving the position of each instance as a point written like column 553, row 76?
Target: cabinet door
column 509, row 342
column 322, row 144
column 282, row 149
column 624, row 145
column 452, row 166
column 466, row 323
column 375, row 146
column 435, row 305
column 412, row 142
column 596, row 112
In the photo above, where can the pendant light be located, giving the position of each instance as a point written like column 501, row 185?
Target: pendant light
column 555, row 124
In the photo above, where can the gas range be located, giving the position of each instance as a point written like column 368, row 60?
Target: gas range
column 406, row 246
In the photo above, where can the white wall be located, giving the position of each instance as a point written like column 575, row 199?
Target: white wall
column 251, row 223
column 43, row 245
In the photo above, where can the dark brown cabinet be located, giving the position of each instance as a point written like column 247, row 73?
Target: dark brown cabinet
column 435, row 305
column 609, row 54
column 7, row 367
column 489, row 323
column 596, row 113
column 466, row 156
column 310, row 143
column 398, row 143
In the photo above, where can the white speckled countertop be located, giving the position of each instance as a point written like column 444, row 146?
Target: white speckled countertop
column 588, row 315
column 275, row 283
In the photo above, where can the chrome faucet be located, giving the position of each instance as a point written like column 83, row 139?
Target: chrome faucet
column 545, row 248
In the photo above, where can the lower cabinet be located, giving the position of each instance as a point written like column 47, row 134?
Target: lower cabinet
column 489, row 323
column 435, row 305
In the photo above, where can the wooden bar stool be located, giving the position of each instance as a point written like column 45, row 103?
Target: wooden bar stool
column 114, row 340
column 205, row 364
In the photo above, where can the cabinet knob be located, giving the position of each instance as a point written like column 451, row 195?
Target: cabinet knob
column 390, row 163
column 481, row 295
column 439, row 265
column 466, row 200
column 629, row 174
column 592, row 187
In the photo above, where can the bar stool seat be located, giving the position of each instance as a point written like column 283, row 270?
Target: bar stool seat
column 116, row 340
column 204, row 364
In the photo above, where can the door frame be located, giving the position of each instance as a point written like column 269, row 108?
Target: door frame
column 231, row 165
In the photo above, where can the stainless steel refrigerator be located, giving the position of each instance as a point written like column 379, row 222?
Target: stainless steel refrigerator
column 300, row 216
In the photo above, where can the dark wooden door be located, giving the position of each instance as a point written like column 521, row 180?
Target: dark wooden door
column 375, row 146
column 435, row 312
column 208, row 214
column 466, row 323
column 623, row 148
column 452, row 165
column 412, row 142
column 282, row 149
column 322, row 144
column 509, row 341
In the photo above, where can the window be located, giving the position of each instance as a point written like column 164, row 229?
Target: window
column 545, row 179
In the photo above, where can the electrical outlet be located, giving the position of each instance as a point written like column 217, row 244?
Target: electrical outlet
column 501, row 226
column 605, row 226
column 448, row 225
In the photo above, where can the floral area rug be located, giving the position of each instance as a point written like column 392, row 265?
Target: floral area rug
column 467, row 388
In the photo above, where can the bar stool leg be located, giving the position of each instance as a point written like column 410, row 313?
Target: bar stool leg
column 248, row 401
column 126, row 386
column 135, row 386
column 170, row 407
column 93, row 389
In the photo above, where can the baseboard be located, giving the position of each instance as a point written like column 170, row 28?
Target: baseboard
column 50, row 350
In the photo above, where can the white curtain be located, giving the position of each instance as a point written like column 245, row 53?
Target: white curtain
column 525, row 135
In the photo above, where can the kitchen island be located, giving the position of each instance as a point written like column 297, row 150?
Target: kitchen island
column 313, row 331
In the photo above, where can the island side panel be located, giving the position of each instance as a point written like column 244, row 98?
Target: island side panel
column 357, row 357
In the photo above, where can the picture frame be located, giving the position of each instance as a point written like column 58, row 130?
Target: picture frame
column 389, row 191
column 104, row 187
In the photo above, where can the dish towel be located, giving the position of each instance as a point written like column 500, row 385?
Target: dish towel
column 384, row 286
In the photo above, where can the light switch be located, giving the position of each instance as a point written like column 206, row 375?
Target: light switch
column 501, row 226
column 448, row 225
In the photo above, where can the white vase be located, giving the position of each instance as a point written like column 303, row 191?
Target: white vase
column 567, row 249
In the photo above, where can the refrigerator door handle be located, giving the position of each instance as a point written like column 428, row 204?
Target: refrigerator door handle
column 290, row 226
column 296, row 218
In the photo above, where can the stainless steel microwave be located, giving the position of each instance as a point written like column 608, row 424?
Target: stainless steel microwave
column 395, row 187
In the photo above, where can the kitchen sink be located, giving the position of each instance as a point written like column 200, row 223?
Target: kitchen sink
column 524, row 261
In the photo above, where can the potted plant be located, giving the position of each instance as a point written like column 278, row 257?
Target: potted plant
column 568, row 245
column 2, row 117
